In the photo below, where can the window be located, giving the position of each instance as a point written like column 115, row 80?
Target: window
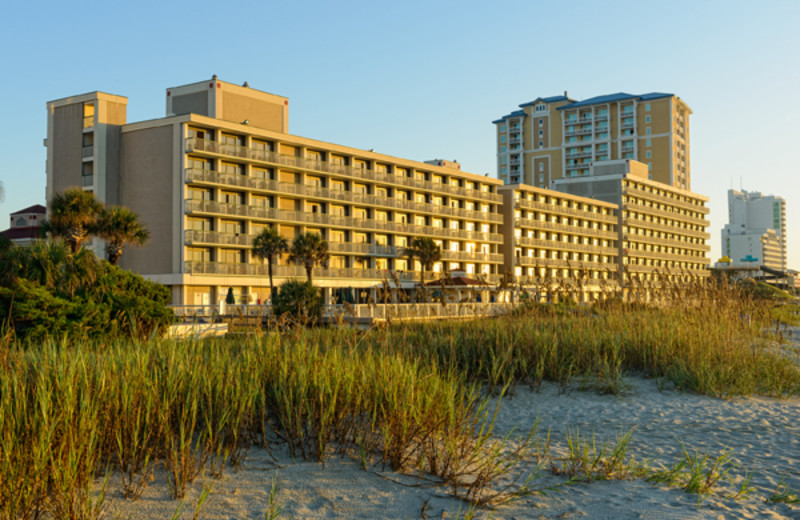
column 647, row 118
column 647, row 130
column 541, row 133
column 541, row 166
column 502, row 128
column 649, row 154
column 541, row 122
column 541, row 144
column 502, row 149
column 648, row 142
column 502, row 139
column 647, row 107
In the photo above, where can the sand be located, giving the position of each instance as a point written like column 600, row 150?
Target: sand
column 762, row 434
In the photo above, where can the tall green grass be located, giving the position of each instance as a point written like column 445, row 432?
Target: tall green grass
column 71, row 413
column 720, row 347
column 408, row 396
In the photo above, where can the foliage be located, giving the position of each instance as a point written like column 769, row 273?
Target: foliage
column 266, row 246
column 301, row 301
column 426, row 251
column 46, row 291
column 308, row 250
column 119, row 226
column 74, row 216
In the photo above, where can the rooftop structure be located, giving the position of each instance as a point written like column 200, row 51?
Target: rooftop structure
column 25, row 225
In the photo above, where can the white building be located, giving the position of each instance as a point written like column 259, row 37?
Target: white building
column 756, row 231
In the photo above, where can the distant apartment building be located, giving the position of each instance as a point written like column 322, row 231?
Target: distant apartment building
column 661, row 229
column 221, row 167
column 558, row 137
column 25, row 223
column 755, row 234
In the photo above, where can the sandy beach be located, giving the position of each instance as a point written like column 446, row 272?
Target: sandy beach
column 762, row 434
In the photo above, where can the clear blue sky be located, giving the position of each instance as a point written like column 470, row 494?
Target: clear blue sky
column 424, row 79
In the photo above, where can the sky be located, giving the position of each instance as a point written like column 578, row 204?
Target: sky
column 424, row 79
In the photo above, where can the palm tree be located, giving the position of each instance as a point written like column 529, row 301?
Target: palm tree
column 73, row 216
column 268, row 244
column 427, row 252
column 119, row 226
column 308, row 250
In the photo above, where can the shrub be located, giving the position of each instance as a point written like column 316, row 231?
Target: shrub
column 300, row 301
column 46, row 291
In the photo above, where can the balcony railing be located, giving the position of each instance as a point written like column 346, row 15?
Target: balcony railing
column 530, row 261
column 214, row 177
column 559, row 209
column 629, row 189
column 565, row 228
column 665, row 213
column 87, row 180
column 671, row 242
column 565, row 246
column 88, row 151
column 296, row 271
column 194, row 144
column 324, row 219
column 469, row 256
column 639, row 223
column 192, row 236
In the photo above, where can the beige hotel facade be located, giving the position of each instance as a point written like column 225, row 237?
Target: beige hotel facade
column 222, row 166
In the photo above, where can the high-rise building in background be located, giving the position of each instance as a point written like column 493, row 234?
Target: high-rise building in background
column 755, row 234
column 558, row 137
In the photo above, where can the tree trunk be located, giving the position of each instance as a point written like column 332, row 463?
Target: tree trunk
column 309, row 268
column 269, row 272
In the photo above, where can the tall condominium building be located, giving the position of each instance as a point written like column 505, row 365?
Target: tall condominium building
column 755, row 234
column 661, row 229
column 558, row 137
column 221, row 167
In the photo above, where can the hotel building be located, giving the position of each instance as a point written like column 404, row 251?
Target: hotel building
column 558, row 137
column 221, row 167
column 553, row 238
column 755, row 234
column 661, row 230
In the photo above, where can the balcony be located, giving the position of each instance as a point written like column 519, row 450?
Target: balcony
column 578, row 154
column 295, row 271
column 87, row 180
column 202, row 145
column 675, row 230
column 88, row 122
column 565, row 246
column 666, row 213
column 88, row 151
column 366, row 249
column 193, row 236
column 563, row 210
column 328, row 220
column 307, row 191
column 565, row 228
column 670, row 242
column 632, row 190
column 531, row 261
column 469, row 256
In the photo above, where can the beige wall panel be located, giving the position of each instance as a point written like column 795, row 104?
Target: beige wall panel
column 259, row 113
column 113, row 113
column 67, row 146
column 146, row 186
column 195, row 103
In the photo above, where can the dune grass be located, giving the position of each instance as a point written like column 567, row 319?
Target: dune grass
column 409, row 396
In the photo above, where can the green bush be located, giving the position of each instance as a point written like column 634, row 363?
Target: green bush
column 47, row 291
column 300, row 301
